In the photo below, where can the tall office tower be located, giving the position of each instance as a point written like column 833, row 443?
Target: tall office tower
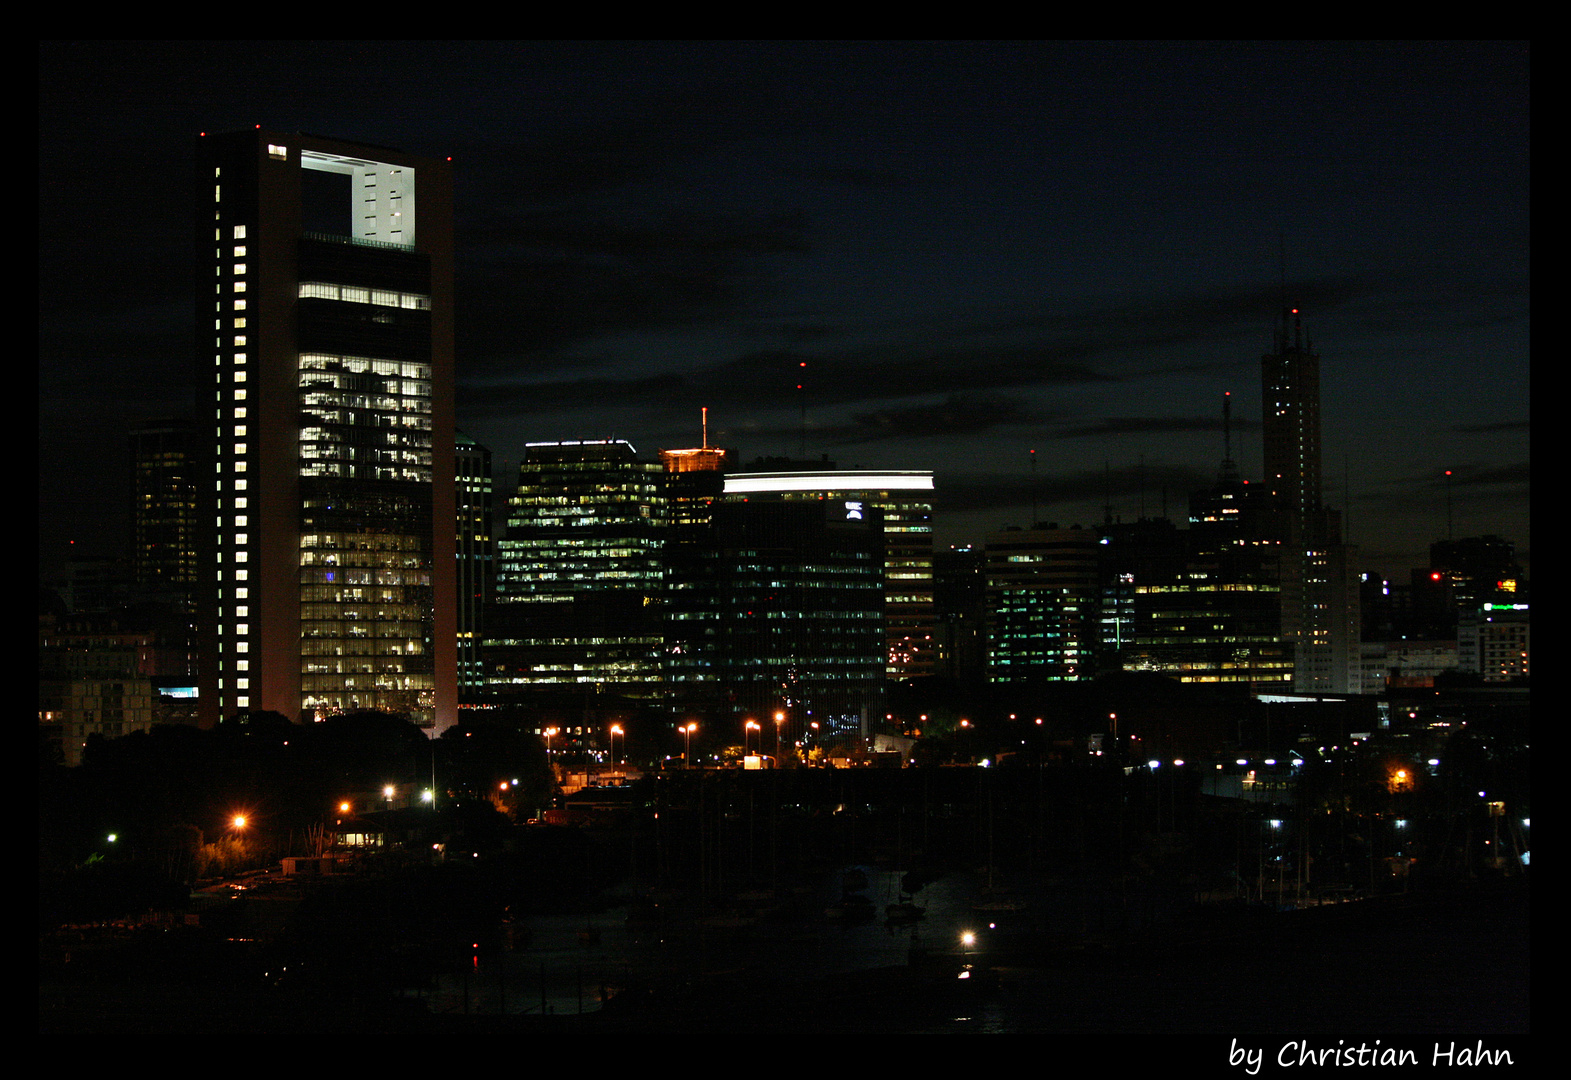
column 1290, row 425
column 580, row 580
column 326, row 276
column 1042, row 594
column 779, row 615
column 1319, row 590
column 1132, row 558
column 904, row 501
column 165, row 533
column 695, row 481
column 960, row 614
column 476, row 555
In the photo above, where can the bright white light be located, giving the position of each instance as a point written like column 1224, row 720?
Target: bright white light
column 756, row 483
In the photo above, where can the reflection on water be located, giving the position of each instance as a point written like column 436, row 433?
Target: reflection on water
column 1458, row 970
column 570, row 962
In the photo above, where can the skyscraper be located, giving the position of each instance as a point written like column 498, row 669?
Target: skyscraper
column 165, row 458
column 1290, row 422
column 779, row 612
column 1319, row 594
column 476, row 555
column 325, row 272
column 580, row 576
column 904, row 501
column 1041, row 603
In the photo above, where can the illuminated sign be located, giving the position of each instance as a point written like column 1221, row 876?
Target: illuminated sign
column 757, row 483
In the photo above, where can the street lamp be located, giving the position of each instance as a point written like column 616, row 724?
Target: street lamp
column 687, row 752
column 616, row 729
column 752, row 725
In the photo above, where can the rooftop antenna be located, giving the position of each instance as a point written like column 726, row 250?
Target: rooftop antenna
column 802, row 401
column 1449, row 535
column 1033, row 489
column 1229, row 466
column 1347, row 499
column 704, row 409
column 1142, row 487
column 1227, row 425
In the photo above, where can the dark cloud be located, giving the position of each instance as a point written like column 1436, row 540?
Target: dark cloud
column 1519, row 472
column 954, row 416
column 1147, row 425
column 1123, row 485
column 1491, row 429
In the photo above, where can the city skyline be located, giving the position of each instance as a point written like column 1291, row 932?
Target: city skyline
column 978, row 251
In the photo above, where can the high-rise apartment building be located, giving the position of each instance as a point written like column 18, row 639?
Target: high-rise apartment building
column 325, row 317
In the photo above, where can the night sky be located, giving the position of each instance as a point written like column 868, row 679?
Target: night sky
column 978, row 250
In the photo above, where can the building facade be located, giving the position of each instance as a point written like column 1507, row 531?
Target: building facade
column 580, row 573
column 166, row 532
column 904, row 502
column 779, row 616
column 325, row 315
column 1042, row 603
column 476, row 556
